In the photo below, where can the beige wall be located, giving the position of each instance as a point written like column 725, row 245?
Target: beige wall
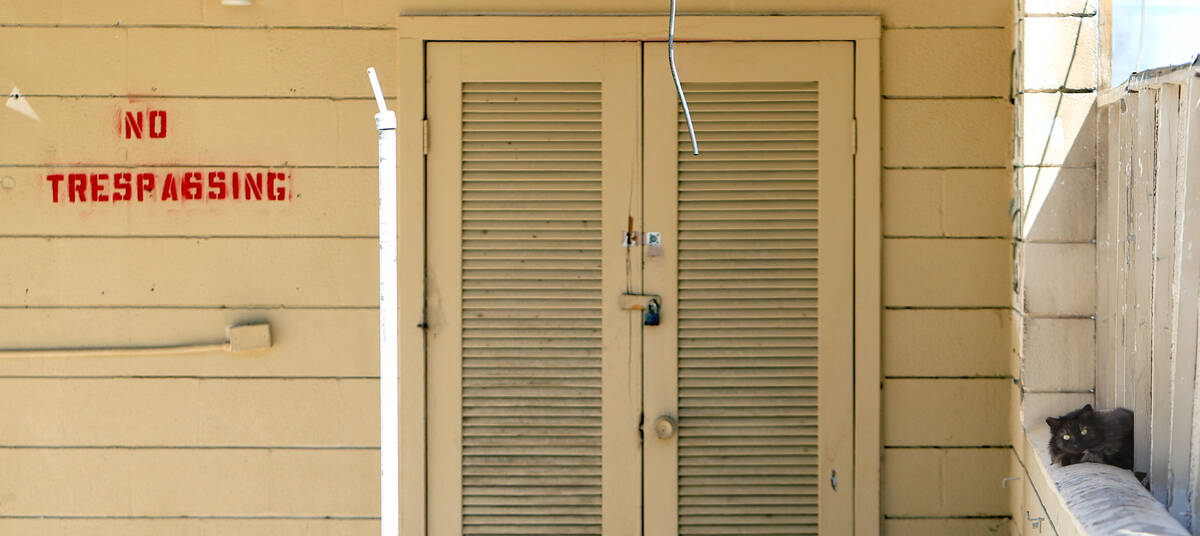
column 948, row 350
column 282, row 443
column 1055, row 298
column 294, row 98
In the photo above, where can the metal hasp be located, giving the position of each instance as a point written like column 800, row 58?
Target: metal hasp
column 650, row 303
column 637, row 302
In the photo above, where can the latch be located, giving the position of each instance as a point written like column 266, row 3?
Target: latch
column 637, row 302
column 649, row 303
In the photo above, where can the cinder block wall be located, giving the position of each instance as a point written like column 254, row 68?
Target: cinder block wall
column 282, row 443
column 1054, row 300
column 947, row 343
column 286, row 443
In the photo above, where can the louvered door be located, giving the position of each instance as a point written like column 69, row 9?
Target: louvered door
column 538, row 381
column 534, row 392
column 754, row 357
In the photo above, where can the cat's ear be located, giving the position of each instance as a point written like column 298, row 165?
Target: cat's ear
column 1087, row 409
column 1052, row 422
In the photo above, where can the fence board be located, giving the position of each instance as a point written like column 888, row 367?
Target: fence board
column 1183, row 500
column 1148, row 267
column 1106, row 258
column 1165, row 305
column 1141, row 297
column 1122, row 230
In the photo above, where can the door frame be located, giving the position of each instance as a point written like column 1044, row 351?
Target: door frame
column 861, row 30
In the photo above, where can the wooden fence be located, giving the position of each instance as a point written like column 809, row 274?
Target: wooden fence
column 1148, row 274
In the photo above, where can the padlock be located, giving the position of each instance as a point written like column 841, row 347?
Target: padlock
column 651, row 316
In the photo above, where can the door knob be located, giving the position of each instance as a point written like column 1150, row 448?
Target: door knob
column 665, row 426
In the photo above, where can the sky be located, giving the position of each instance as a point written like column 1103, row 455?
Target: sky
column 1171, row 35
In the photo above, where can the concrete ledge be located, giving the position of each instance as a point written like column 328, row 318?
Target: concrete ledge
column 1088, row 498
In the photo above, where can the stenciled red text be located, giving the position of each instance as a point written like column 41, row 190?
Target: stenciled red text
column 169, row 186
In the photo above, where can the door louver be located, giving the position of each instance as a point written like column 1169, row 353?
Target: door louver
column 748, row 310
column 531, row 339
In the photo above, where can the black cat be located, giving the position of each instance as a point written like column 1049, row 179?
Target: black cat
column 1088, row 435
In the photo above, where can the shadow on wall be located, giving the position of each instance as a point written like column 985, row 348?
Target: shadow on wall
column 1057, row 253
column 1059, row 174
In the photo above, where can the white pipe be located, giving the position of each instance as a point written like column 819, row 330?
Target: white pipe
column 114, row 352
column 238, row 339
column 389, row 331
column 687, row 114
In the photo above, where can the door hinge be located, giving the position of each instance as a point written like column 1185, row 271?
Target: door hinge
column 854, row 137
column 425, row 136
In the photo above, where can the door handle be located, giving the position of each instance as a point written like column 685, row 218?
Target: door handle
column 665, row 427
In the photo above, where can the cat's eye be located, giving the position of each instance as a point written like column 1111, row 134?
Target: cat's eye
column 1066, row 437
column 1083, row 431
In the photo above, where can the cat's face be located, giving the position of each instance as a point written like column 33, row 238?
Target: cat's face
column 1074, row 432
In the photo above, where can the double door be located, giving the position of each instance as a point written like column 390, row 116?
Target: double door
column 555, row 406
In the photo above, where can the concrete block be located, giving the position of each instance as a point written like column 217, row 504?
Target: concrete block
column 174, row 483
column 1018, row 287
column 166, row 12
column 946, row 412
column 1060, row 7
column 32, row 11
column 1060, row 279
column 313, row 62
column 1059, row 133
column 234, row 62
column 1052, row 45
column 1059, row 354
column 1016, row 340
column 939, row 132
column 943, row 272
column 947, row 343
column 953, row 202
column 977, row 202
column 913, row 203
column 190, row 413
column 925, row 527
column 938, row 62
column 896, row 13
column 952, row 482
column 1015, row 487
column 36, row 60
column 207, row 526
column 1059, row 204
column 352, row 13
column 300, row 132
column 1015, row 427
column 323, row 202
column 178, row 272
column 1035, row 407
